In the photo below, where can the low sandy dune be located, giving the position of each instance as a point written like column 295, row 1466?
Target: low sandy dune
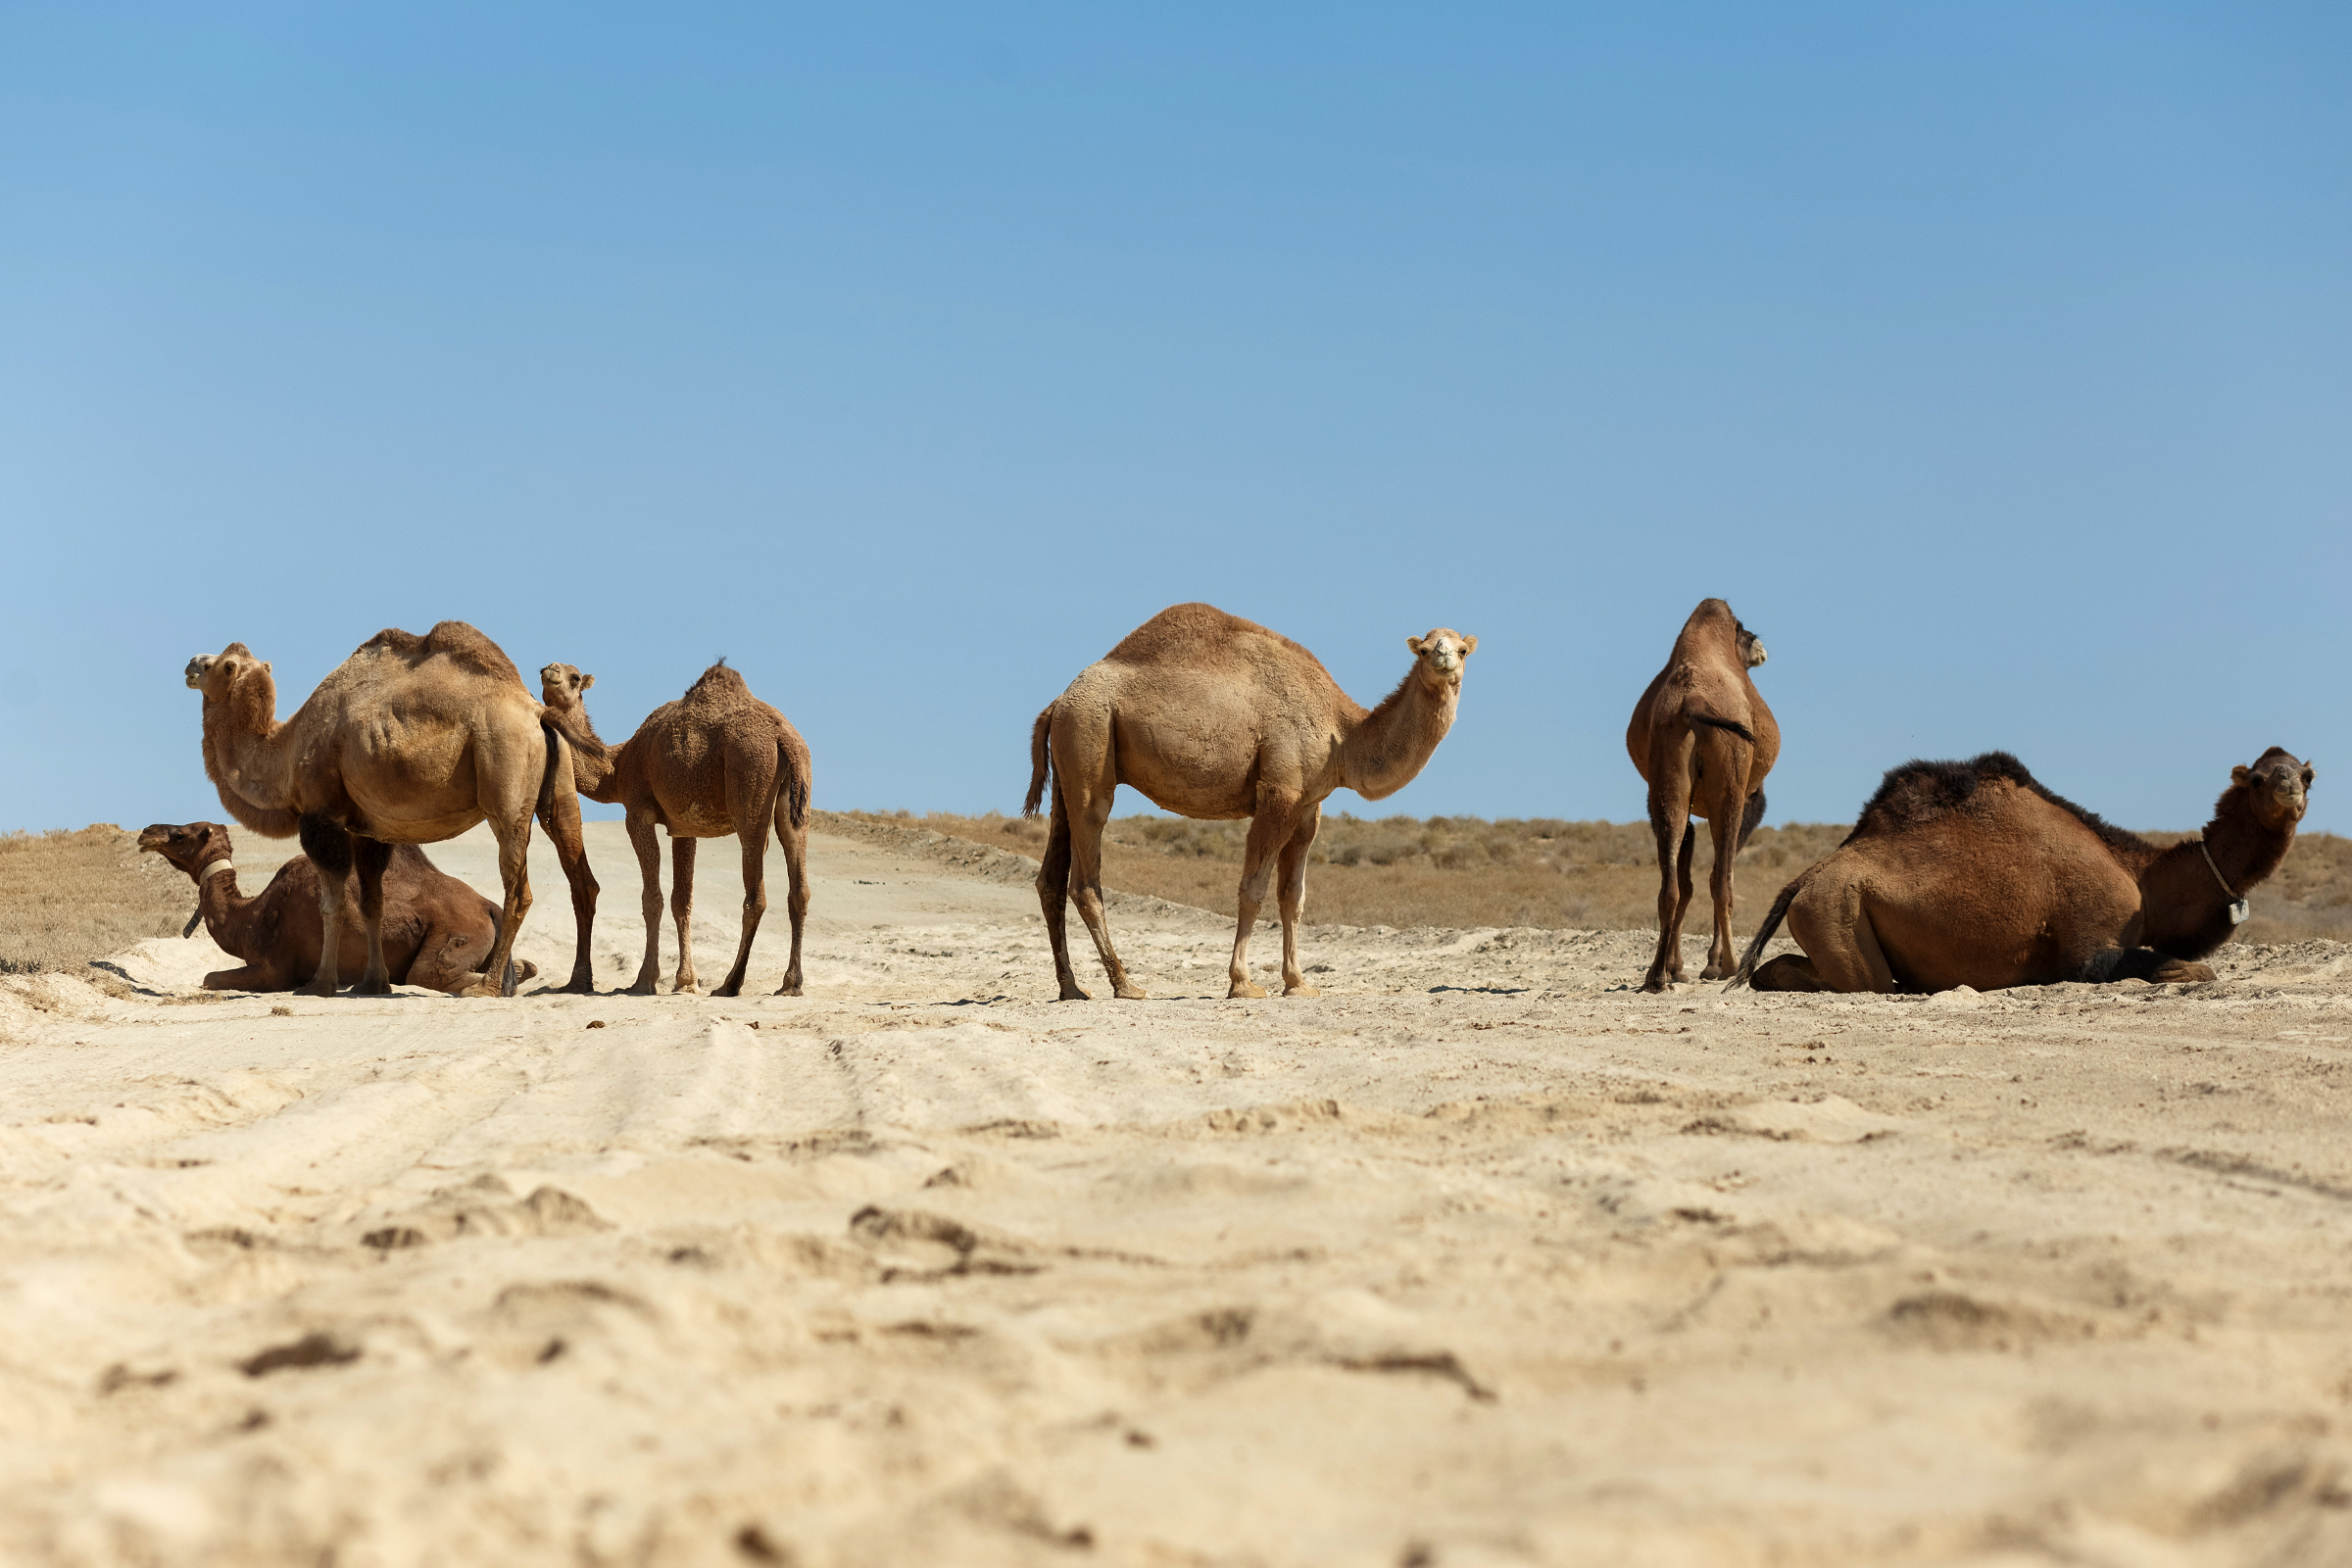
column 1479, row 1258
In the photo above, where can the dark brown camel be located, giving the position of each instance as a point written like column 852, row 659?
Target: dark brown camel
column 717, row 760
column 1703, row 741
column 1973, row 874
column 437, row 931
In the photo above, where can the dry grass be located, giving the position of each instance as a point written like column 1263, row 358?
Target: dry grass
column 72, row 896
column 1464, row 871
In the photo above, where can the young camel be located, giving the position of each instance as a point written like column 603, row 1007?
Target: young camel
column 1702, row 740
column 438, row 932
column 718, row 760
column 1973, row 874
column 411, row 740
column 1213, row 717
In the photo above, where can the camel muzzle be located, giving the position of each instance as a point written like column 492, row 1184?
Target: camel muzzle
column 196, row 670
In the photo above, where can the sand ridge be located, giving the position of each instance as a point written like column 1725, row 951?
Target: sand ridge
column 1480, row 1257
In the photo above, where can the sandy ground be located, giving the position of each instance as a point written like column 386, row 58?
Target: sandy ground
column 1479, row 1258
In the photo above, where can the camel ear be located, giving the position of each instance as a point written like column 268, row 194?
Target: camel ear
column 1415, row 643
column 587, row 681
column 2239, row 775
column 265, row 666
column 2308, row 775
column 205, row 837
column 1469, row 645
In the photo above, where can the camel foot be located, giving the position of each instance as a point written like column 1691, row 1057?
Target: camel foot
column 580, row 985
column 1717, row 971
column 365, row 986
column 320, row 987
column 482, row 987
column 733, row 988
column 2181, row 973
column 1302, row 989
column 1129, row 991
column 686, row 988
column 791, row 986
column 1246, row 990
column 1072, row 991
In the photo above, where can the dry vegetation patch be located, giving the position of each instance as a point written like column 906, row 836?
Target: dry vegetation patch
column 1465, row 871
column 74, row 895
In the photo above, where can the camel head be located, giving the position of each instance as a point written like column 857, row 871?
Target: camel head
column 2277, row 786
column 562, row 685
column 1751, row 647
column 214, row 674
column 191, row 846
column 1440, row 655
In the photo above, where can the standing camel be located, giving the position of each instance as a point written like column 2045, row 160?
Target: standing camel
column 717, row 760
column 1215, row 716
column 438, row 932
column 1703, row 741
column 411, row 740
column 1973, row 874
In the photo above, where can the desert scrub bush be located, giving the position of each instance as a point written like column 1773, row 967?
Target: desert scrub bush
column 1465, row 871
column 75, row 894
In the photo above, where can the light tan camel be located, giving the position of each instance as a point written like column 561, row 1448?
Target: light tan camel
column 717, row 760
column 1971, row 873
column 411, row 740
column 1215, row 716
column 1703, row 741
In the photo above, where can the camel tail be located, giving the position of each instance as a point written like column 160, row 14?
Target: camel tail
column 1040, row 761
column 1772, row 922
column 792, row 782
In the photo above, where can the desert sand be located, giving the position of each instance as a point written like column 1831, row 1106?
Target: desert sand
column 1481, row 1257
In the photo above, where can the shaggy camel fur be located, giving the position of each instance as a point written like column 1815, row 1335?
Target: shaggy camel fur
column 1973, row 874
column 717, row 760
column 438, row 932
column 1703, row 741
column 411, row 740
column 1218, row 718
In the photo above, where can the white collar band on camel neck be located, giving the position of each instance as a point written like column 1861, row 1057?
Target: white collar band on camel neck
column 213, row 868
column 2238, row 907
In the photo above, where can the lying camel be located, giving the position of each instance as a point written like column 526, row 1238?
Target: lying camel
column 717, row 760
column 1973, row 874
column 1702, row 740
column 1215, row 716
column 438, row 932
column 411, row 740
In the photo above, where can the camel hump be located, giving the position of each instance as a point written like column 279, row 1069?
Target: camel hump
column 453, row 640
column 1920, row 792
column 1196, row 636
column 720, row 683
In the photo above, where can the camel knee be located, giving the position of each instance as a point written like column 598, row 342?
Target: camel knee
column 1788, row 972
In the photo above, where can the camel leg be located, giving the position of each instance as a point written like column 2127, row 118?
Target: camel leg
column 248, row 978
column 1291, row 895
column 751, row 807
column 754, row 903
column 796, row 894
column 1670, row 821
column 515, row 876
column 2110, row 965
column 1053, row 897
column 1788, row 972
column 1270, row 828
column 329, row 849
column 1724, row 759
column 681, row 906
column 1088, row 818
column 649, row 903
column 1831, row 921
column 563, row 823
column 371, row 857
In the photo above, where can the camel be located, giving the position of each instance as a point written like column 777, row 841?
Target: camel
column 1702, row 740
column 438, row 932
column 717, row 760
column 1973, row 874
column 411, row 740
column 1217, row 717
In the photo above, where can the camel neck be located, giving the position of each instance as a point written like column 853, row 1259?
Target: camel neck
column 1392, row 742
column 247, row 758
column 217, row 895
column 2186, row 891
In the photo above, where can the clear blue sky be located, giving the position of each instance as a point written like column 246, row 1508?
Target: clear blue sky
column 1994, row 361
